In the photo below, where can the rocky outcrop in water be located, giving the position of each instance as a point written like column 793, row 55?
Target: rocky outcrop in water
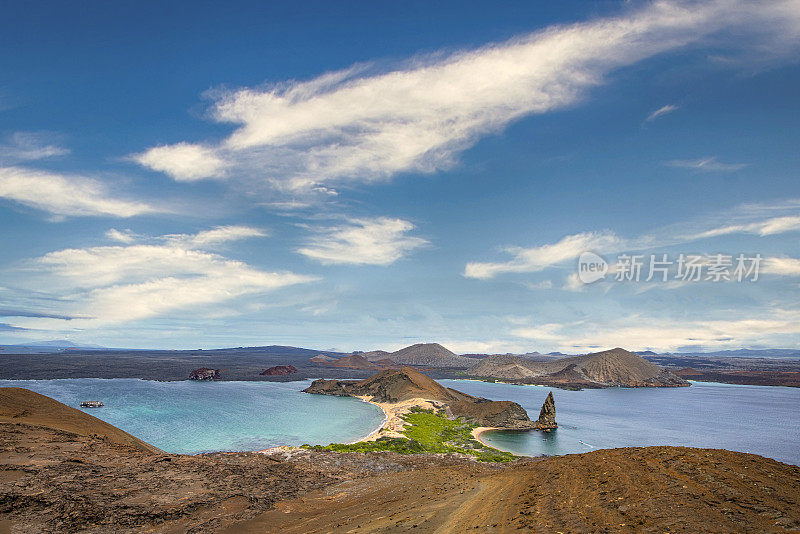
column 547, row 416
column 398, row 385
column 204, row 373
column 279, row 370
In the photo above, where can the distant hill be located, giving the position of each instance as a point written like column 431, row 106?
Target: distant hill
column 55, row 345
column 321, row 358
column 354, row 361
column 616, row 367
column 430, row 355
column 374, row 355
column 793, row 354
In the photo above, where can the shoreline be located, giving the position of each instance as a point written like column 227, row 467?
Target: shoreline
column 479, row 430
column 383, row 424
column 393, row 423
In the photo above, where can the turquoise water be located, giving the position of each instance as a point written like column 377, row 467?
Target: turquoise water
column 191, row 417
column 758, row 419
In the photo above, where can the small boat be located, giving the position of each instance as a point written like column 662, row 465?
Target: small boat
column 91, row 404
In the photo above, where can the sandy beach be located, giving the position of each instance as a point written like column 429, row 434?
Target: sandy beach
column 477, row 431
column 393, row 422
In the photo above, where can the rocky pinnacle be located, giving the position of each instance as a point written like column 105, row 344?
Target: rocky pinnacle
column 547, row 417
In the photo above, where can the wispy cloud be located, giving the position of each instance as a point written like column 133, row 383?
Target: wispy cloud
column 29, row 146
column 705, row 165
column 781, row 266
column 220, row 234
column 12, row 312
column 380, row 241
column 633, row 332
column 358, row 126
column 770, row 226
column 5, row 327
column 123, row 236
column 528, row 260
column 125, row 283
column 570, row 247
column 661, row 112
column 65, row 195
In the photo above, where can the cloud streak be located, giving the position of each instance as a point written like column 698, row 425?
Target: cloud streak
column 770, row 226
column 135, row 281
column 660, row 112
column 28, row 146
column 64, row 195
column 529, row 260
column 632, row 331
column 538, row 258
column 705, row 165
column 355, row 126
column 380, row 241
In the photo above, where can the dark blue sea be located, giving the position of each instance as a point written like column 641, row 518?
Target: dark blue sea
column 763, row 420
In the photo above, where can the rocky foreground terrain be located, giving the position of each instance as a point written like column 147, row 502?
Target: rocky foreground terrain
column 87, row 477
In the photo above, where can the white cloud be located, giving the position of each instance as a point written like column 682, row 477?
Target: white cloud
column 136, row 281
column 380, row 241
column 65, row 195
column 633, row 332
column 573, row 283
column 29, row 146
column 123, row 236
column 781, row 266
column 220, row 234
column 661, row 112
column 705, row 165
column 529, row 260
column 183, row 161
column 354, row 126
column 771, row 226
column 127, row 302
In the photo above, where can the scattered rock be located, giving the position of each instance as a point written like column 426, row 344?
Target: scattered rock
column 204, row 373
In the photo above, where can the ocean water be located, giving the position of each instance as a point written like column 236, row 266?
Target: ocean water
column 192, row 417
column 758, row 419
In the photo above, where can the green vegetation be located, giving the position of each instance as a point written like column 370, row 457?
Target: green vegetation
column 427, row 432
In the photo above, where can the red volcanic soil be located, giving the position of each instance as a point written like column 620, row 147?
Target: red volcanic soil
column 279, row 370
column 354, row 361
column 387, row 363
column 649, row 489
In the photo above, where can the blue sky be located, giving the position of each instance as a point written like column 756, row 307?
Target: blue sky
column 357, row 176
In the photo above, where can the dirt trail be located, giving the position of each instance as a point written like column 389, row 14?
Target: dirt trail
column 655, row 489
